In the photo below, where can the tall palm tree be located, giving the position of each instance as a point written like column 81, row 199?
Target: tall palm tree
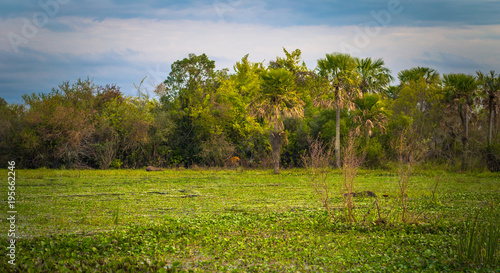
column 491, row 88
column 461, row 90
column 415, row 74
column 375, row 77
column 340, row 70
column 277, row 100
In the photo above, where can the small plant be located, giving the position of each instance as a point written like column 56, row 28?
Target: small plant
column 116, row 216
column 479, row 238
column 116, row 164
column 435, row 200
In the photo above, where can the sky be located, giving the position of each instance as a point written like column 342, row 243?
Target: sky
column 44, row 43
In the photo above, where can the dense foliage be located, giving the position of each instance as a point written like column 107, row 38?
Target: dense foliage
column 262, row 114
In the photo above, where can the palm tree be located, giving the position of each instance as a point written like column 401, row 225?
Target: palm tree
column 375, row 77
column 391, row 92
column 276, row 101
column 340, row 70
column 491, row 88
column 370, row 113
column 461, row 90
column 417, row 73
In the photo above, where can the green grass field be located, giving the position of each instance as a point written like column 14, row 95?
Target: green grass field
column 239, row 220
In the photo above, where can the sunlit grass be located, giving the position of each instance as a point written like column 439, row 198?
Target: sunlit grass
column 220, row 220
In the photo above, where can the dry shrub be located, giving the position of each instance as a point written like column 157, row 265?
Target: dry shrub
column 352, row 160
column 410, row 151
column 318, row 162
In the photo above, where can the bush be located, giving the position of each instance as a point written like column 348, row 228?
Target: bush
column 116, row 164
column 375, row 154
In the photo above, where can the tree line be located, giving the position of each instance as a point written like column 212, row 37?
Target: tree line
column 265, row 114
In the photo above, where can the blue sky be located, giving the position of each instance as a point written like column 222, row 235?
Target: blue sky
column 46, row 42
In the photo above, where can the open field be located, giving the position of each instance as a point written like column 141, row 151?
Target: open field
column 241, row 220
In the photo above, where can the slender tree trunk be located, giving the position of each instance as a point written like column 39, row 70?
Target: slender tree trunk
column 465, row 138
column 453, row 148
column 337, row 129
column 490, row 120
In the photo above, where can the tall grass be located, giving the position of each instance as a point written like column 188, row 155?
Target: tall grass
column 479, row 238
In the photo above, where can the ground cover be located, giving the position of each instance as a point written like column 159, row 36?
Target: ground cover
column 238, row 220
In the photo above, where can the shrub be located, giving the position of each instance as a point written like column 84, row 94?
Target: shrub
column 116, row 164
column 317, row 162
column 374, row 154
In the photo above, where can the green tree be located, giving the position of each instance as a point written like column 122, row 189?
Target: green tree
column 418, row 102
column 190, row 78
column 340, row 71
column 191, row 97
column 276, row 101
column 160, row 133
column 391, row 92
column 244, row 131
column 490, row 84
column 429, row 75
column 370, row 113
column 247, row 79
column 308, row 84
column 375, row 77
column 461, row 91
column 124, row 124
column 292, row 62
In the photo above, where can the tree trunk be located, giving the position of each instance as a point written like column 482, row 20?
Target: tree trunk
column 465, row 138
column 276, row 148
column 453, row 148
column 337, row 130
column 490, row 120
column 367, row 136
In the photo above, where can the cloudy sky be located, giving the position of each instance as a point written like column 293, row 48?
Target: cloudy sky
column 46, row 42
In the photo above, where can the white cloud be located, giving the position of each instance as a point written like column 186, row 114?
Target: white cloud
column 143, row 40
column 144, row 43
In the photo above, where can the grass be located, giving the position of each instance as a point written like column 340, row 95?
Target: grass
column 480, row 236
column 243, row 221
